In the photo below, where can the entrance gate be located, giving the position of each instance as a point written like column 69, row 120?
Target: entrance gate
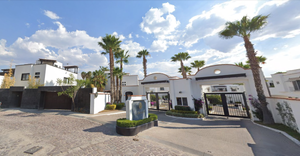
column 159, row 100
column 227, row 104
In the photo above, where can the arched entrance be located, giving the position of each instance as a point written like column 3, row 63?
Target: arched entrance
column 128, row 94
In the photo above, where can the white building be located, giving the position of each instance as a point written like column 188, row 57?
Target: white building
column 182, row 91
column 48, row 71
column 285, row 84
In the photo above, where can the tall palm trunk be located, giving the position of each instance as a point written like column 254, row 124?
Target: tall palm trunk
column 198, row 68
column 120, row 91
column 145, row 65
column 267, row 116
column 182, row 69
column 112, row 82
column 117, row 88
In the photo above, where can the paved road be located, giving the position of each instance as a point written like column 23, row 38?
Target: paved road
column 63, row 134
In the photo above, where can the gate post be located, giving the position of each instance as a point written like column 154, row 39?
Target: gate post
column 207, row 110
column 247, row 108
column 157, row 101
column 224, row 103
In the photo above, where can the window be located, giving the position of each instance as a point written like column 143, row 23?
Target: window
column 272, row 85
column 182, row 101
column 123, row 83
column 162, row 88
column 296, row 84
column 37, row 75
column 277, row 82
column 66, row 80
column 25, row 77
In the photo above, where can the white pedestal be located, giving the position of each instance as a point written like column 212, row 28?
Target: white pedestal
column 129, row 103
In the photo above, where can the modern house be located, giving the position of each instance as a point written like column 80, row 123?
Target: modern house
column 285, row 84
column 48, row 71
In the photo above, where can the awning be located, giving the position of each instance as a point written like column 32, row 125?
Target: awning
column 221, row 76
column 293, row 79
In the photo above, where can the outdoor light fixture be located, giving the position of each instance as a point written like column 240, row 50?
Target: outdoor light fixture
column 180, row 92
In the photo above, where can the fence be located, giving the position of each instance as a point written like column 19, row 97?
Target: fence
column 285, row 111
column 98, row 102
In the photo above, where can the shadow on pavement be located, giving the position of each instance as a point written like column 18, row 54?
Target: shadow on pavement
column 108, row 128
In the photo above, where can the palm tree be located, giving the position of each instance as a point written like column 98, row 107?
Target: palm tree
column 260, row 60
column 99, row 79
column 110, row 43
column 83, row 75
column 241, row 64
column 244, row 28
column 182, row 56
column 117, row 72
column 187, row 70
column 122, row 57
column 198, row 64
column 143, row 54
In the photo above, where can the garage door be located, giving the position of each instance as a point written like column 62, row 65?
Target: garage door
column 53, row 101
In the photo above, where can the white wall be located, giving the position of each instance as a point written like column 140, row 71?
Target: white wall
column 183, row 86
column 130, row 80
column 133, row 89
column 31, row 69
column 53, row 73
column 98, row 103
column 1, row 79
column 294, row 104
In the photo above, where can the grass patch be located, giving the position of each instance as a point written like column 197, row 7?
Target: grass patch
column 283, row 128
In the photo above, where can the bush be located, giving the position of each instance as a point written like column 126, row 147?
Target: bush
column 209, row 107
column 185, row 115
column 119, row 106
column 214, row 99
column 110, row 107
column 133, row 123
column 108, row 103
column 184, row 108
column 184, row 112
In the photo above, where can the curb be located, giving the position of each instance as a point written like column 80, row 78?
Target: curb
column 279, row 131
column 184, row 117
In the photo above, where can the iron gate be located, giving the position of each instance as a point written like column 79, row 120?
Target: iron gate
column 227, row 104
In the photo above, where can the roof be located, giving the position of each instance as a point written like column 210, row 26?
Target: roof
column 71, row 66
column 47, row 60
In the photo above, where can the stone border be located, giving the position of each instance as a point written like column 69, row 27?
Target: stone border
column 279, row 131
column 131, row 131
column 184, row 117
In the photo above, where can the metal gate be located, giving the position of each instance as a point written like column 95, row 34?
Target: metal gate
column 227, row 104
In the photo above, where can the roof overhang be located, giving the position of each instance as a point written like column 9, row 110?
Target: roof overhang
column 293, row 79
column 221, row 76
column 153, row 82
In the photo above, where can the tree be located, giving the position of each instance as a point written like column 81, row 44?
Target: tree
column 198, row 64
column 117, row 73
column 241, row 64
column 8, row 80
column 182, row 56
column 99, row 79
column 122, row 57
column 187, row 70
column 260, row 60
column 34, row 83
column 83, row 75
column 110, row 43
column 143, row 54
column 70, row 91
column 244, row 28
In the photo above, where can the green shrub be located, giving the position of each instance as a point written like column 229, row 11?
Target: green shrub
column 123, row 104
column 214, row 99
column 184, row 112
column 119, row 106
column 184, row 108
column 110, row 107
column 189, row 115
column 209, row 107
column 133, row 123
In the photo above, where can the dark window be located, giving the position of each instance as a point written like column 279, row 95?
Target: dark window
column 123, row 83
column 37, row 77
column 66, row 80
column 277, row 82
column 162, row 88
column 296, row 84
column 179, row 101
column 37, row 73
column 184, row 101
column 25, row 77
column 272, row 84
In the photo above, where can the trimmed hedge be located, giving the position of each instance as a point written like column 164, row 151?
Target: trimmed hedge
column 133, row 123
column 185, row 115
column 110, row 107
column 184, row 108
column 120, row 105
column 184, row 112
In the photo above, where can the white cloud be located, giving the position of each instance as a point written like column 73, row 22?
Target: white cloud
column 133, row 47
column 51, row 15
column 121, row 37
column 137, row 36
column 163, row 28
column 60, row 44
column 129, row 36
column 28, row 25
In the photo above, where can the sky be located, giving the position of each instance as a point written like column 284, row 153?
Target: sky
column 69, row 31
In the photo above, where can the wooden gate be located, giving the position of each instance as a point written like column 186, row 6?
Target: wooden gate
column 53, row 101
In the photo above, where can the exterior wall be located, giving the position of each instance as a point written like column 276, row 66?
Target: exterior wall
column 133, row 89
column 294, row 104
column 181, row 88
column 4, row 98
column 130, row 80
column 1, row 79
column 98, row 102
column 158, row 76
column 53, row 73
column 30, row 99
column 31, row 69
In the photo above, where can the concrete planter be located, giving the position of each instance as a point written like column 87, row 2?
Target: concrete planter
column 130, row 131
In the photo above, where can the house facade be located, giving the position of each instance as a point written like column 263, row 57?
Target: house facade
column 285, row 84
column 46, row 70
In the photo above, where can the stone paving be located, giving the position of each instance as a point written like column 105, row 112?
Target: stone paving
column 63, row 135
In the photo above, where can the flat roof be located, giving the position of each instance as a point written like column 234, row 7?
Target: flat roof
column 47, row 60
column 71, row 66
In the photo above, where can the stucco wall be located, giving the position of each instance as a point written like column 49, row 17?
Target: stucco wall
column 98, row 103
column 31, row 69
column 181, row 88
column 53, row 73
column 130, row 80
column 1, row 79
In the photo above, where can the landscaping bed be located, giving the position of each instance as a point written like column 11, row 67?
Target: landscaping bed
column 184, row 111
column 132, row 127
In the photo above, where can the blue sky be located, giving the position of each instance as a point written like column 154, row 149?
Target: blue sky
column 69, row 32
